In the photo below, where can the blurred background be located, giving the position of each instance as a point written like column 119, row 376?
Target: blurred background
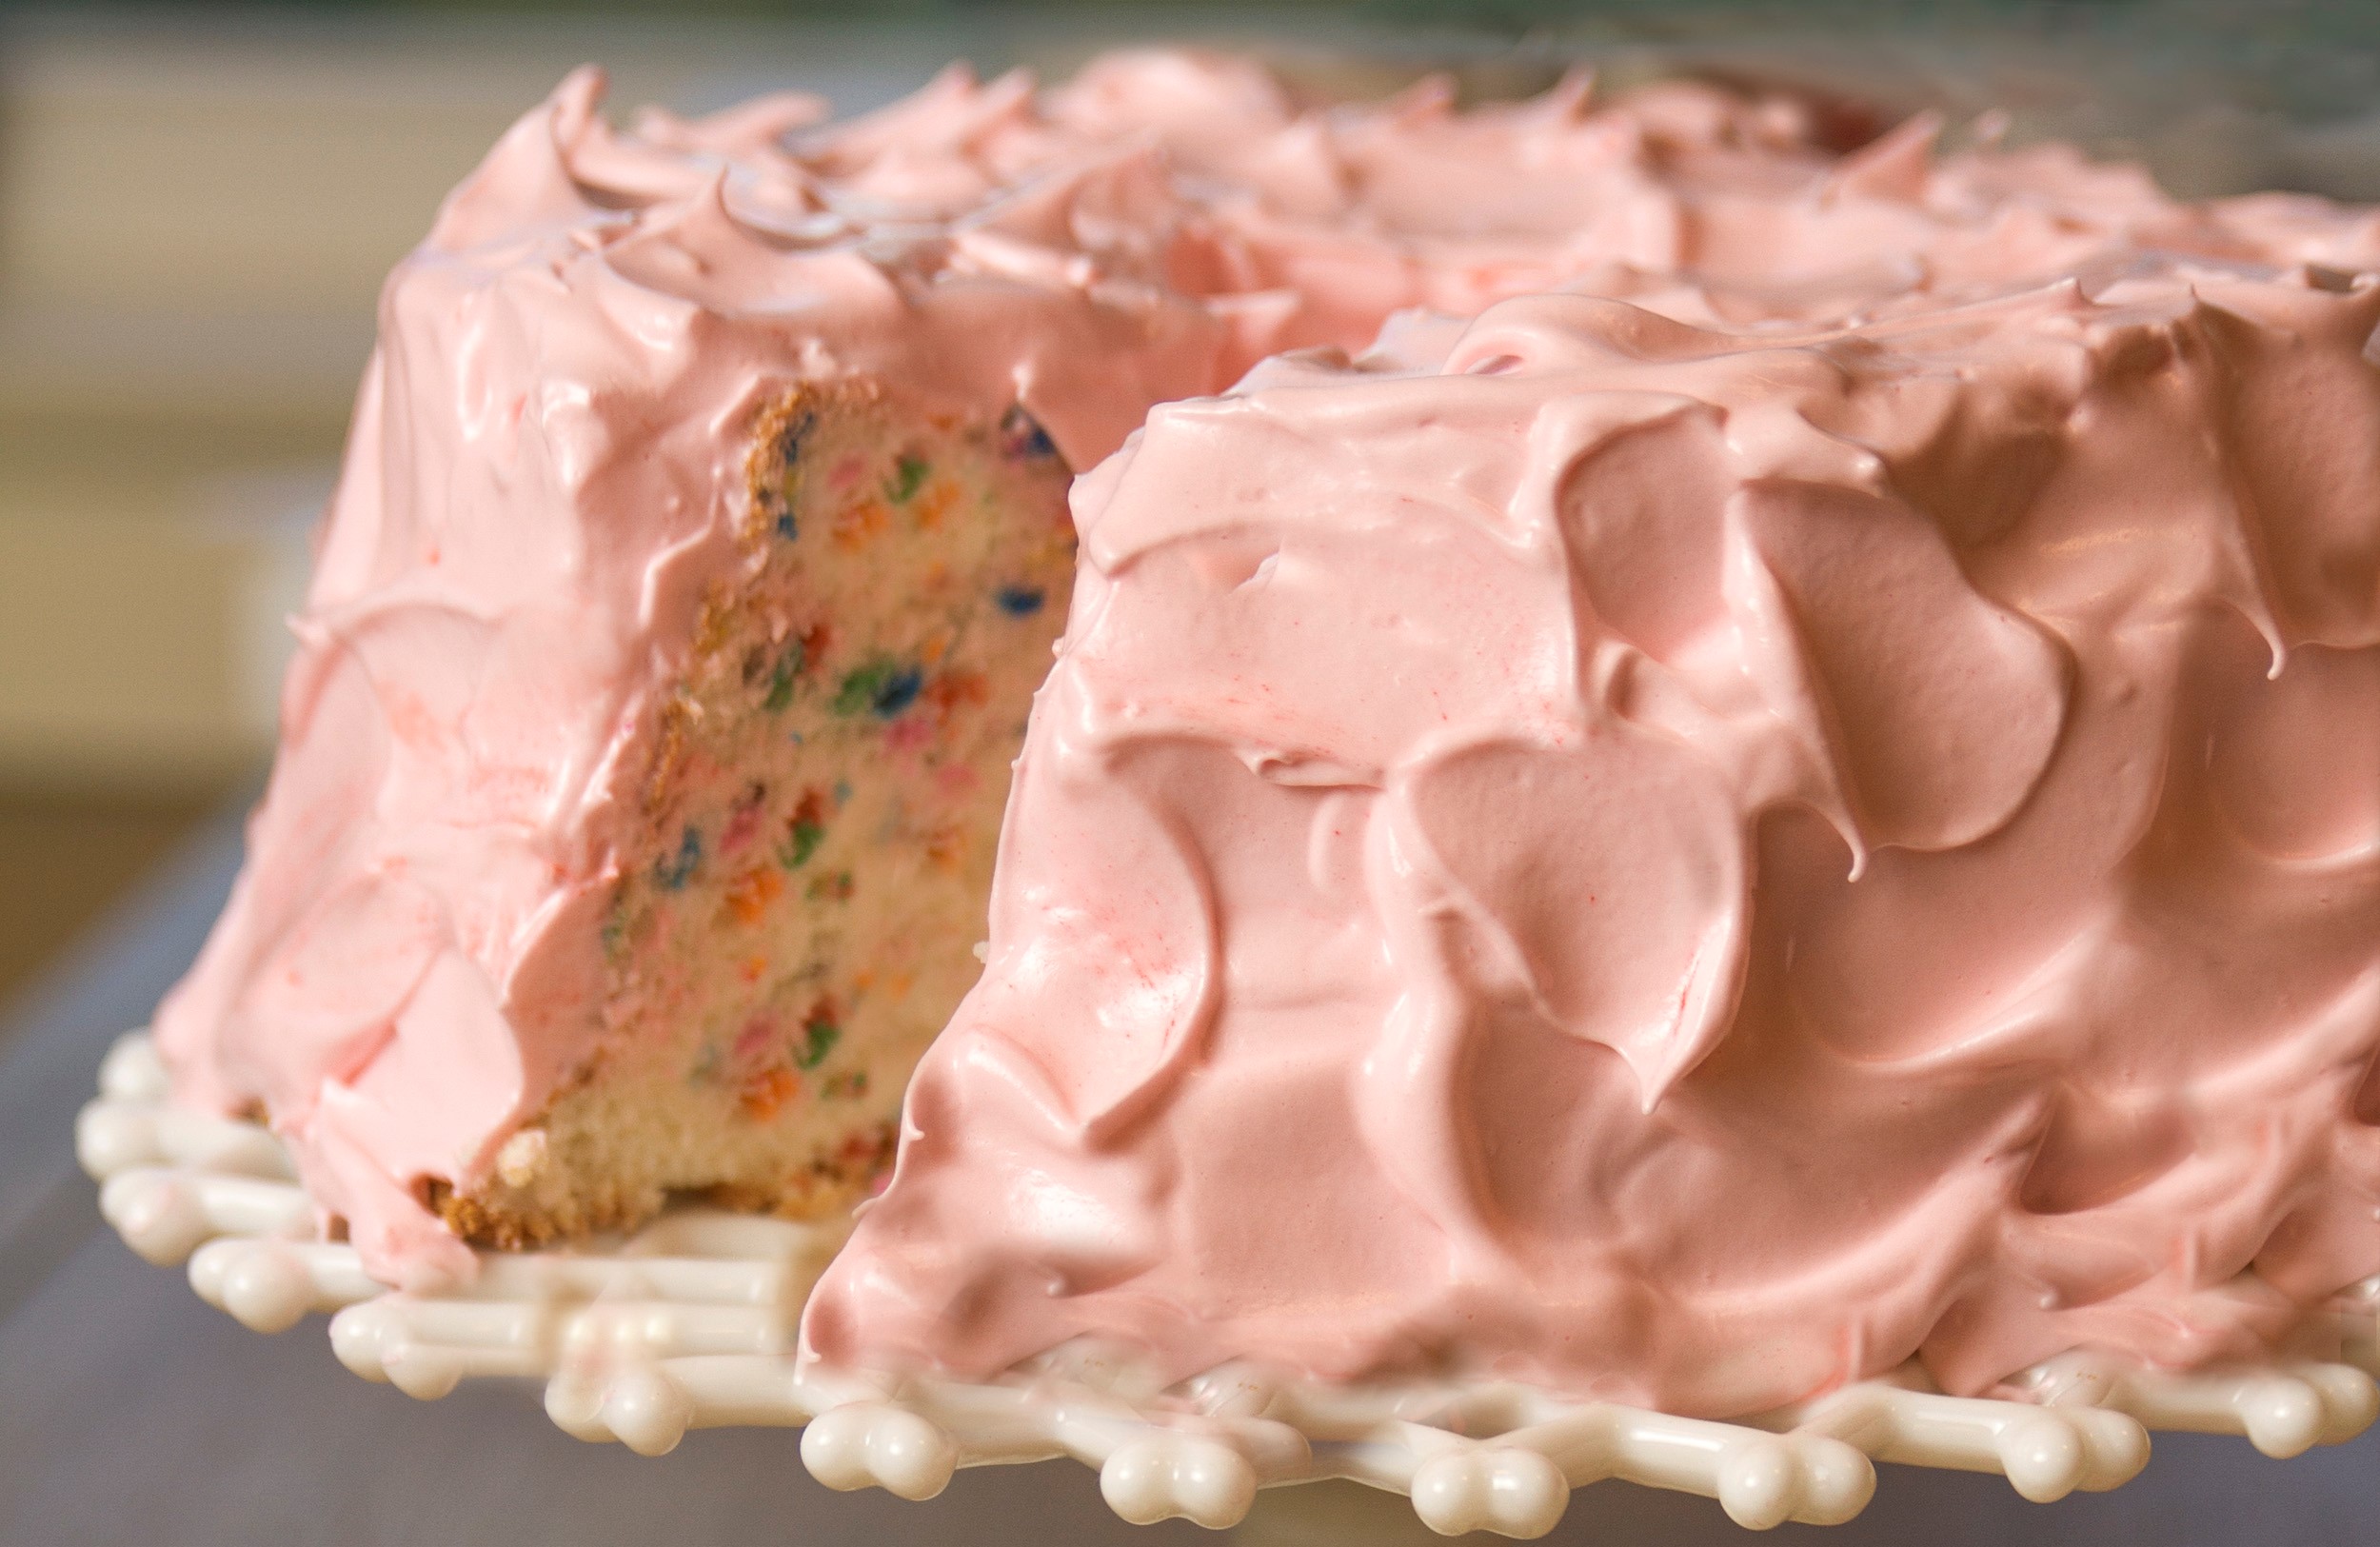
column 197, row 203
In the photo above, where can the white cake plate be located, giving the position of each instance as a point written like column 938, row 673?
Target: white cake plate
column 690, row 1323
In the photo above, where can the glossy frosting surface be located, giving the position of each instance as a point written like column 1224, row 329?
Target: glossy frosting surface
column 1690, row 864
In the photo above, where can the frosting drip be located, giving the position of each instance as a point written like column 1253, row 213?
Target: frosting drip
column 1690, row 864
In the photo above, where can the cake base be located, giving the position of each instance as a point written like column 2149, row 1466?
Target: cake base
column 690, row 1322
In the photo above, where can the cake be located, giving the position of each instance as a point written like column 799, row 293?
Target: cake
column 1857, row 574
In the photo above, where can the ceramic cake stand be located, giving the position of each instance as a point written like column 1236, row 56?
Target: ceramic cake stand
column 690, row 1323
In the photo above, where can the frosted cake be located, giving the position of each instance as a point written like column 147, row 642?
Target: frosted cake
column 1794, row 792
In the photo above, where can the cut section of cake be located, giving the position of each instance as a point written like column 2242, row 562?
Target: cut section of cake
column 807, row 836
column 1690, row 865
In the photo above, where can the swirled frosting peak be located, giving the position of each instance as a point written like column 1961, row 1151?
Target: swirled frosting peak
column 1691, row 864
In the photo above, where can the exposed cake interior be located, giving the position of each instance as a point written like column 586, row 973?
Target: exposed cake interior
column 792, row 917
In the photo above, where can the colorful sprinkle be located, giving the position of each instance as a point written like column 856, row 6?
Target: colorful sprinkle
column 793, row 664
column 866, row 1150
column 931, row 507
column 1019, row 601
column 744, row 819
column 899, row 692
column 808, row 831
column 819, row 1034
column 789, row 450
column 764, row 1096
column 954, row 689
column 749, row 897
column 1021, row 436
column 776, row 504
column 755, row 1038
column 908, row 476
column 945, row 847
column 847, row 1086
column 858, row 525
column 674, row 870
column 883, row 687
column 837, row 888
column 780, row 682
column 790, row 444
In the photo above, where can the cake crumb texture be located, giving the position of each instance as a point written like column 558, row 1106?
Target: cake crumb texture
column 814, row 830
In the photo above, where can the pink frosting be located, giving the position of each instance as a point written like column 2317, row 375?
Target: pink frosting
column 1690, row 865
column 546, row 475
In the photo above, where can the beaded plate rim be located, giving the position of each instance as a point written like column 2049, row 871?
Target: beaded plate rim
column 690, row 1322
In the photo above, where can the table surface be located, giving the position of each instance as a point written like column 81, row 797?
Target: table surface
column 131, row 1412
